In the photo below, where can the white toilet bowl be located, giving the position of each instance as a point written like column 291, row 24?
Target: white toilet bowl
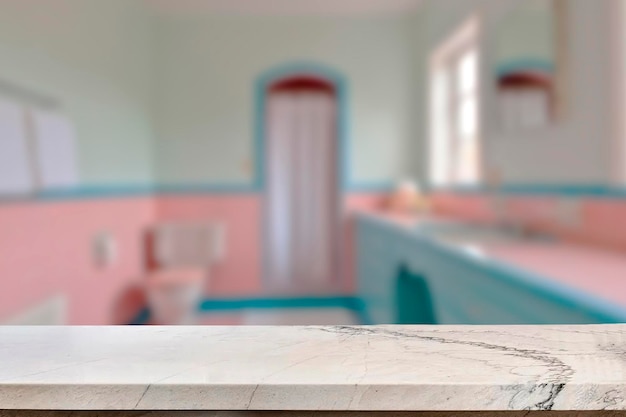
column 174, row 295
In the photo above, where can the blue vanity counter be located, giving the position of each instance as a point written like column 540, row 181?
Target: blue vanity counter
column 405, row 275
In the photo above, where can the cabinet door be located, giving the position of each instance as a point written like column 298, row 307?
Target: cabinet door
column 468, row 292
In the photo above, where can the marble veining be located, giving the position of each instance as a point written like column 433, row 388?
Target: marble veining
column 332, row 368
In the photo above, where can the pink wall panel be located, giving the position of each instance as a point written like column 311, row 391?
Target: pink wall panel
column 45, row 249
column 464, row 206
column 603, row 220
column 537, row 210
column 240, row 272
column 373, row 201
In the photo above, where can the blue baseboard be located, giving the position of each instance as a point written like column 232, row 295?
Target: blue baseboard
column 354, row 304
column 275, row 302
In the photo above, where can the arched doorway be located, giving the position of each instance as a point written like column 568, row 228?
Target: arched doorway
column 302, row 188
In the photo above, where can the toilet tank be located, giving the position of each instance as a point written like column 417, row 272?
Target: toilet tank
column 188, row 244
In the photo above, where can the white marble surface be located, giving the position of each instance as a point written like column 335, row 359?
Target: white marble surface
column 314, row 368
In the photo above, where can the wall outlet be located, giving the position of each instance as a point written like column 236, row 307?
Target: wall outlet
column 104, row 249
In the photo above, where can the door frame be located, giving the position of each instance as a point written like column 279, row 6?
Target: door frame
column 261, row 89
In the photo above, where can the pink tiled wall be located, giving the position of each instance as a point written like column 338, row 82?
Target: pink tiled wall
column 240, row 272
column 602, row 221
column 45, row 247
column 467, row 207
column 605, row 222
column 45, row 250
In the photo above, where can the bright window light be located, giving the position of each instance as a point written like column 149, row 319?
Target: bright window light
column 454, row 109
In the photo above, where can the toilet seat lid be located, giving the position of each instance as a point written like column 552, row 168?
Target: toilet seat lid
column 176, row 276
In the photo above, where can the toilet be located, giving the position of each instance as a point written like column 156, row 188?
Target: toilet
column 185, row 254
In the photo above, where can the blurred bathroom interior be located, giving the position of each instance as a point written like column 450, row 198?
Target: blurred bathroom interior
column 237, row 162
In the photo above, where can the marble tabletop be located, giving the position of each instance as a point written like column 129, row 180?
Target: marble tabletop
column 378, row 368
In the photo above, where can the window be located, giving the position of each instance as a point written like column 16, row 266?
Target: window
column 454, row 109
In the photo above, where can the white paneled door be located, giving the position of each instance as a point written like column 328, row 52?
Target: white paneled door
column 301, row 201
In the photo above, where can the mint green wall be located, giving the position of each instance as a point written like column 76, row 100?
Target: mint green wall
column 94, row 57
column 207, row 67
column 575, row 150
column 170, row 98
column 526, row 33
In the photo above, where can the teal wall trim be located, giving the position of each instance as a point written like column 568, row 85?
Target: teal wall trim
column 82, row 193
column 92, row 193
column 523, row 65
column 96, row 192
column 224, row 188
column 121, row 191
column 372, row 187
column 568, row 190
column 302, row 68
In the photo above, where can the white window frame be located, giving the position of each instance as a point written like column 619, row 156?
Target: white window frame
column 444, row 58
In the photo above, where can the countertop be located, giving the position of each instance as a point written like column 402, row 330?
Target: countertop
column 591, row 275
column 378, row 368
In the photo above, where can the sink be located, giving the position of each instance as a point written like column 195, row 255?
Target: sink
column 464, row 233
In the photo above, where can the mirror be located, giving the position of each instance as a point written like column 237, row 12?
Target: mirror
column 529, row 64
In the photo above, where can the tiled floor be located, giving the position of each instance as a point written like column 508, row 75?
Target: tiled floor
column 286, row 316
